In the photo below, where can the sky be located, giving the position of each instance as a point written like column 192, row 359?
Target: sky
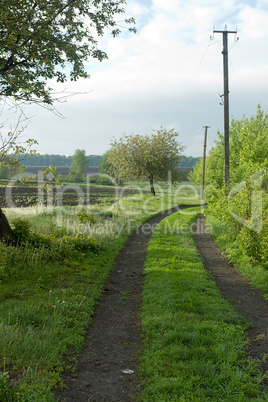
column 169, row 74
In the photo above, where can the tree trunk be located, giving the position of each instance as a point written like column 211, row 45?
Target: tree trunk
column 151, row 178
column 6, row 233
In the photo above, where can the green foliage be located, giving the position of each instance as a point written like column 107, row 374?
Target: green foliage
column 242, row 209
column 102, row 180
column 104, row 164
column 47, row 298
column 94, row 160
column 13, row 150
column 22, row 228
column 56, row 160
column 244, row 215
column 196, row 175
column 189, row 161
column 7, row 170
column 86, row 217
column 73, row 178
column 8, row 163
column 7, row 394
column 152, row 157
column 248, row 152
column 60, row 246
column 79, row 164
column 47, row 160
column 39, row 39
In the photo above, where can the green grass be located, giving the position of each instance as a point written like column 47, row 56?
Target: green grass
column 194, row 341
column 255, row 272
column 45, row 310
column 47, row 294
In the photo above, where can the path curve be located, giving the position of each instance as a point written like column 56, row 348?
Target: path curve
column 113, row 339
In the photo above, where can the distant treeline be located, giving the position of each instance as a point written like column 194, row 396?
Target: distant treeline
column 63, row 160
column 56, row 160
column 189, row 161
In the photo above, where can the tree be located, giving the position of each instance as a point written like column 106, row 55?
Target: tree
column 248, row 152
column 79, row 164
column 104, row 164
column 41, row 40
column 12, row 151
column 93, row 160
column 153, row 157
column 189, row 161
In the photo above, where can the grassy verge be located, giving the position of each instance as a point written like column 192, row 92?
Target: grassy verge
column 255, row 272
column 194, row 341
column 49, row 286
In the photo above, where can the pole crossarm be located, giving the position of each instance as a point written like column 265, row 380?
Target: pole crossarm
column 225, row 31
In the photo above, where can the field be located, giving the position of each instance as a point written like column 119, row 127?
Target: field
column 27, row 195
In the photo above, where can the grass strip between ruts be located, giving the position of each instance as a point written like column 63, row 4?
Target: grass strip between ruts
column 194, row 341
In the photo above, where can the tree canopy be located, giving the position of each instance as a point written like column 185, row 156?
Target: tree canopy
column 41, row 40
column 242, row 208
column 189, row 161
column 154, row 156
column 104, row 164
column 248, row 152
column 79, row 164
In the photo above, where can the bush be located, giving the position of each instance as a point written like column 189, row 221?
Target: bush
column 72, row 178
column 101, row 180
column 85, row 217
column 61, row 246
column 22, row 228
column 245, row 218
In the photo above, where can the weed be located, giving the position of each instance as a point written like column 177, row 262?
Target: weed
column 6, row 392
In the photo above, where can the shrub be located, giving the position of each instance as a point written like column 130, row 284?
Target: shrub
column 85, row 217
column 22, row 228
column 60, row 246
column 82, row 242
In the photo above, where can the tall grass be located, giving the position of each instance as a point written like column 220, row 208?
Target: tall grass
column 48, row 293
column 235, row 250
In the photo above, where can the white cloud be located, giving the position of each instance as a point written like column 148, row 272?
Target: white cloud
column 169, row 73
column 254, row 22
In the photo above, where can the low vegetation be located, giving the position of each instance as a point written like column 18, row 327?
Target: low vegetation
column 194, row 341
column 239, row 214
column 50, row 283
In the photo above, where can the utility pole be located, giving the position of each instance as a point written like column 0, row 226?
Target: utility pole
column 204, row 161
column 226, row 102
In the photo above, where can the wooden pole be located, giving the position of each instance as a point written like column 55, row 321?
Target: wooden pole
column 226, row 109
column 204, row 162
column 226, row 103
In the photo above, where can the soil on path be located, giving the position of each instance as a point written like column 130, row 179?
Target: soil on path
column 239, row 292
column 113, row 340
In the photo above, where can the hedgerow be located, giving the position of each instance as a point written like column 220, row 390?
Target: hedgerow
column 242, row 209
